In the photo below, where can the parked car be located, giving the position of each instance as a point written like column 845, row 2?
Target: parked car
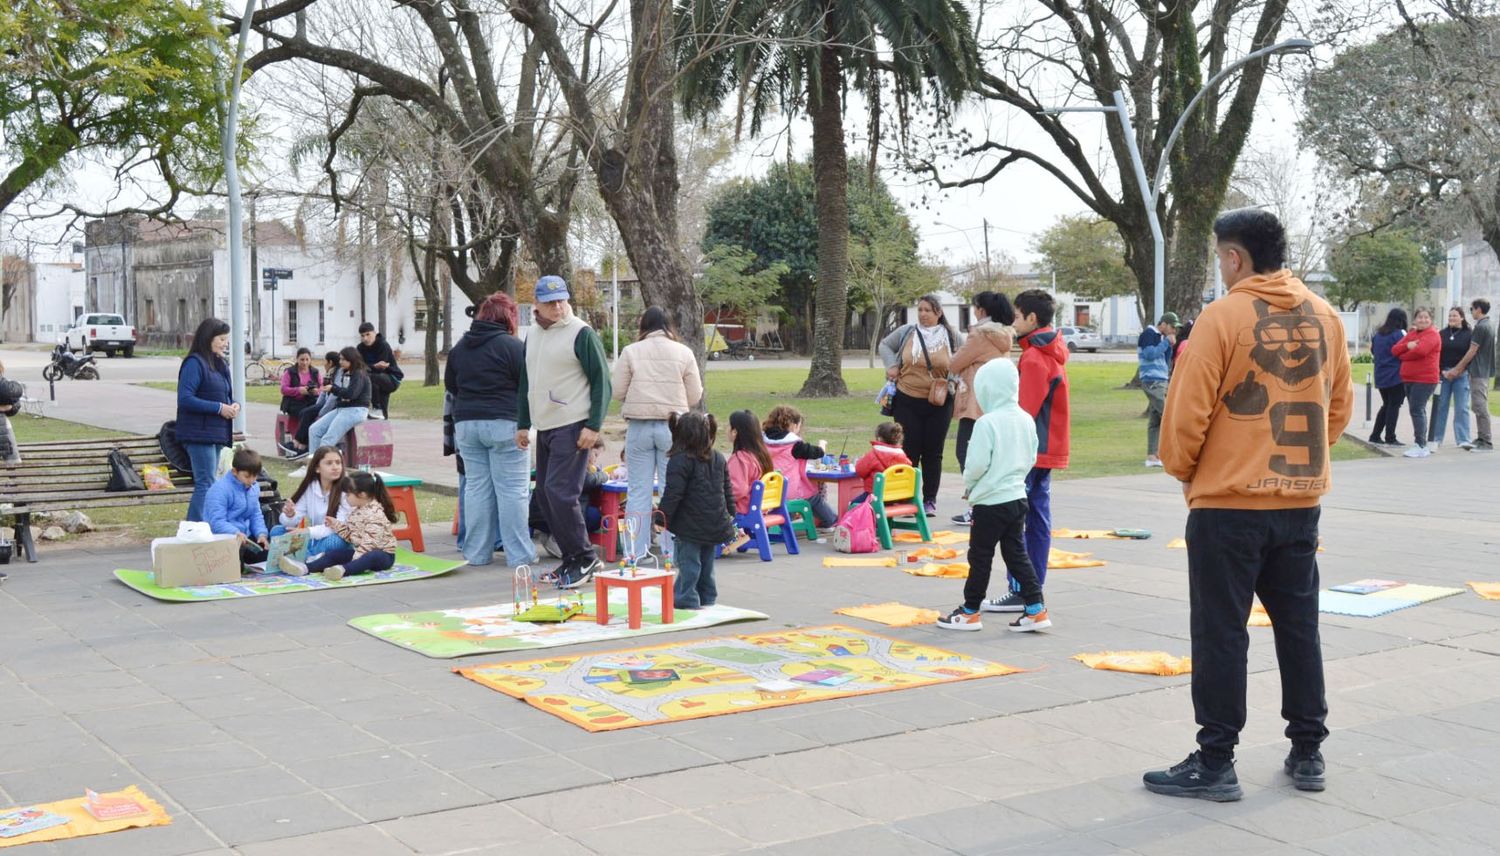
column 101, row 332
column 1082, row 339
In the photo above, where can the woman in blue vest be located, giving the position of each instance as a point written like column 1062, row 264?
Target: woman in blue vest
column 205, row 407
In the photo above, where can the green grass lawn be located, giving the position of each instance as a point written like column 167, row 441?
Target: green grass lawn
column 1108, row 430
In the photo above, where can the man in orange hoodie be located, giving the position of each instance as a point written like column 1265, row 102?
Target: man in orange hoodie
column 1253, row 406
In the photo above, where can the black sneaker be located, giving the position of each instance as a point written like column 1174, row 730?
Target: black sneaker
column 1012, row 602
column 579, row 574
column 1193, row 778
column 1306, row 769
column 557, row 573
column 965, row 519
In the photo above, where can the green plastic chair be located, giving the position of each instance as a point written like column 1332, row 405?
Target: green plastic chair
column 800, row 510
column 897, row 495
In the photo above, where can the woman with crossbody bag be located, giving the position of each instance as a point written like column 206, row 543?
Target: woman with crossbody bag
column 916, row 358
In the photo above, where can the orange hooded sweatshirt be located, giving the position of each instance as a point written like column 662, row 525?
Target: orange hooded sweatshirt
column 1257, row 400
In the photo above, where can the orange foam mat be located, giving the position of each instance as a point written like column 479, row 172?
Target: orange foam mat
column 81, row 823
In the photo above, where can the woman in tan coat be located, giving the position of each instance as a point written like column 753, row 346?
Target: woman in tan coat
column 990, row 337
column 655, row 377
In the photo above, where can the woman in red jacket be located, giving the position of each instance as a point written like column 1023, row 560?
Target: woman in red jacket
column 1419, row 352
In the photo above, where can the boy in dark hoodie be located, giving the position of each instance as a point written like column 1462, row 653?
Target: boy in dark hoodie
column 1044, row 396
column 385, row 372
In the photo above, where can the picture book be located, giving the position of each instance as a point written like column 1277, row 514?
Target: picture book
column 26, row 820
column 1366, row 586
column 104, row 807
column 648, row 676
column 292, row 543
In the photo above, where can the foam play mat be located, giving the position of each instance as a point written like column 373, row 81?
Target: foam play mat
column 1110, row 534
column 1417, row 592
column 712, row 677
column 892, row 613
column 73, row 820
column 941, row 537
column 1137, row 662
column 859, row 561
column 1360, row 605
column 1488, row 591
column 409, row 566
column 491, row 629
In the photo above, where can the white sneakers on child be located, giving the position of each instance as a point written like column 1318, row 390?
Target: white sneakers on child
column 291, row 567
column 333, row 574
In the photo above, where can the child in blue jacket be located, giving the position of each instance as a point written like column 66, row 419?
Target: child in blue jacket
column 232, row 506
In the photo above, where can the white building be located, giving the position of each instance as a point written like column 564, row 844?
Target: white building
column 41, row 299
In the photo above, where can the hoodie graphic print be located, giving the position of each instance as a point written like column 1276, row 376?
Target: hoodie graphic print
column 1256, row 402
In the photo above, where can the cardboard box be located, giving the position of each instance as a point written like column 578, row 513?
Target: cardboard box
column 200, row 564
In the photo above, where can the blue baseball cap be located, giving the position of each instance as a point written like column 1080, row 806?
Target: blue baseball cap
column 550, row 288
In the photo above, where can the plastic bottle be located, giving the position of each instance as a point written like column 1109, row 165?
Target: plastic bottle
column 844, row 465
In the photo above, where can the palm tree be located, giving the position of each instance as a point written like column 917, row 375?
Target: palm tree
column 797, row 55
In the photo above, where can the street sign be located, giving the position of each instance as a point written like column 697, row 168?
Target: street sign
column 276, row 273
column 268, row 284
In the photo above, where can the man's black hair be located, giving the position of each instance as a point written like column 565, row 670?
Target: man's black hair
column 1259, row 232
column 1481, row 304
column 1036, row 302
column 366, row 327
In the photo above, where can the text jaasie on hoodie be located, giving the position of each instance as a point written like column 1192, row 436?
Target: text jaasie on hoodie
column 1257, row 400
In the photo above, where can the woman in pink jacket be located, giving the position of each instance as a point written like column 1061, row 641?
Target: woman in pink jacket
column 1419, row 352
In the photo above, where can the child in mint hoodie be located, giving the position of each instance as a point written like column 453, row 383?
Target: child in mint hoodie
column 1002, row 451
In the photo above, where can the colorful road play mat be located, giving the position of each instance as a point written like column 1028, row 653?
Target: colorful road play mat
column 409, row 566
column 490, row 629
column 710, row 677
column 78, row 821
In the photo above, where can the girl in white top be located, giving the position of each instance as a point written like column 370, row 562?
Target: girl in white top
column 319, row 496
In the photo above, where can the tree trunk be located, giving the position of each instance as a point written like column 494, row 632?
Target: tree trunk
column 831, row 180
column 1187, row 259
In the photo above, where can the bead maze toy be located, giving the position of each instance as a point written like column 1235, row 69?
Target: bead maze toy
column 528, row 605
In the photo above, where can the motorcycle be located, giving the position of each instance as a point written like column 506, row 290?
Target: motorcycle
column 65, row 364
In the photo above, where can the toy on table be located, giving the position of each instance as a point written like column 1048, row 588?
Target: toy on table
column 523, row 591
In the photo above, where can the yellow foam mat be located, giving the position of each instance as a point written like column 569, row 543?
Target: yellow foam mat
column 940, row 537
column 1108, row 534
column 1177, row 544
column 892, row 613
column 1258, row 616
column 609, row 690
column 859, row 561
column 952, row 571
column 81, row 823
column 1418, row 593
column 1064, row 559
column 1137, row 662
column 1488, row 591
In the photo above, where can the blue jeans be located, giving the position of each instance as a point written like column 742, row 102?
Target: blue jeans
column 497, row 491
column 695, row 586
column 331, row 428
column 463, row 530
column 205, row 459
column 1038, row 522
column 1457, row 391
column 647, row 442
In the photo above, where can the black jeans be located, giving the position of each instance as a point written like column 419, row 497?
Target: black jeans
column 306, row 414
column 965, row 431
column 381, row 387
column 1417, row 397
column 1391, row 399
column 1233, row 555
column 1004, row 524
column 925, row 431
column 560, row 468
column 252, row 553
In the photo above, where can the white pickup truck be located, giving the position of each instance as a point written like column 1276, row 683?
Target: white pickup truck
column 101, row 332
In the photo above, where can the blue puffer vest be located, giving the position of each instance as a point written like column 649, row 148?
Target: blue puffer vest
column 200, row 391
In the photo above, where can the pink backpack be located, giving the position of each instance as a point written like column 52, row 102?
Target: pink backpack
column 855, row 531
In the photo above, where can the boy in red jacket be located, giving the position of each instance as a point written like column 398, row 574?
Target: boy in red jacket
column 1044, row 395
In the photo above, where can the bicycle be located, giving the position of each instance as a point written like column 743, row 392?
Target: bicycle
column 264, row 371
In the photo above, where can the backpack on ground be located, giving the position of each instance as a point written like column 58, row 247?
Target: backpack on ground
column 855, row 530
column 122, row 474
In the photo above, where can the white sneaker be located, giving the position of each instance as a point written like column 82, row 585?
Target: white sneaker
column 1028, row 623
column 291, row 567
column 1153, row 462
column 1417, row 452
column 1466, row 446
column 333, row 574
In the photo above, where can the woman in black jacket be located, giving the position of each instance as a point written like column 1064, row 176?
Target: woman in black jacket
column 351, row 402
column 698, row 504
column 484, row 377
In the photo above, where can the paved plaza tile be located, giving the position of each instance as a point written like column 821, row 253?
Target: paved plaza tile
column 269, row 728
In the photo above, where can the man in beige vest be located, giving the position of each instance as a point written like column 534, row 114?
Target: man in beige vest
column 564, row 395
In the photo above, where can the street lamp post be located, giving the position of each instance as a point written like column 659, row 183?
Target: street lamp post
column 236, row 216
column 1151, row 192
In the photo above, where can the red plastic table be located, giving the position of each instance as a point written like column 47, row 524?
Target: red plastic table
column 633, row 585
column 850, row 485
